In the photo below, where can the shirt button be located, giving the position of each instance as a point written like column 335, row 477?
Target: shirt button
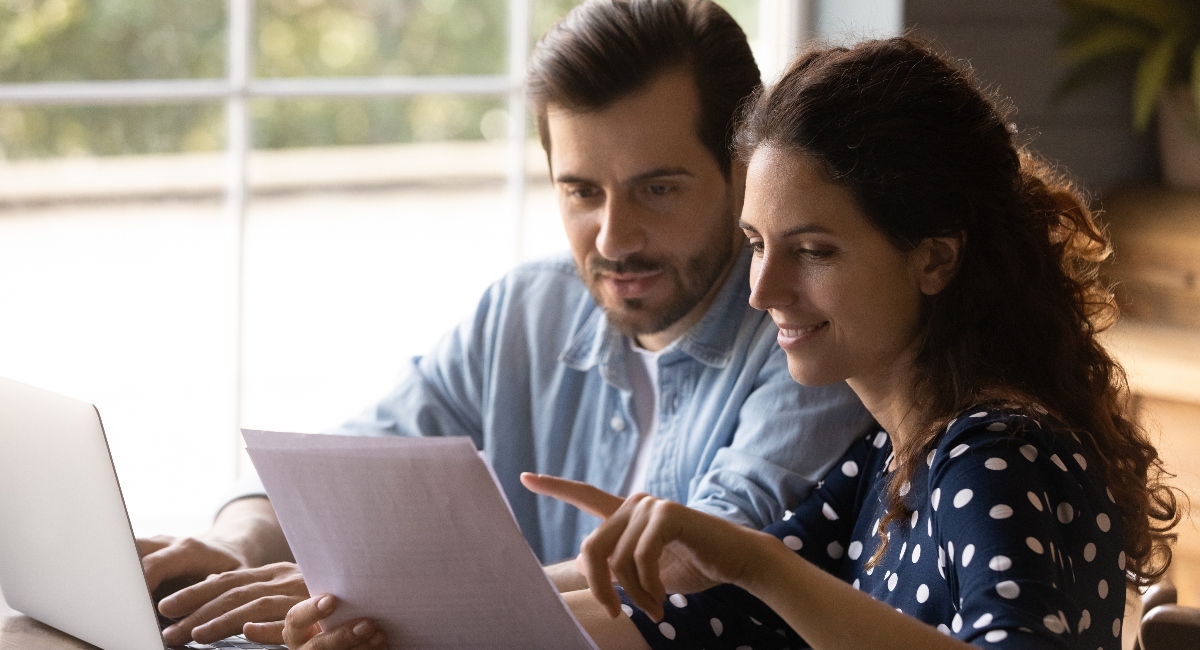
column 617, row 423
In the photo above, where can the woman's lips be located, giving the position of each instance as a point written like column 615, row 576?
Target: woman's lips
column 789, row 336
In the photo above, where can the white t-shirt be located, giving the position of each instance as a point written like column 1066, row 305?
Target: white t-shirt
column 643, row 379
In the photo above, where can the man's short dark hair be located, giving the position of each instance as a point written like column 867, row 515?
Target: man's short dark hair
column 607, row 49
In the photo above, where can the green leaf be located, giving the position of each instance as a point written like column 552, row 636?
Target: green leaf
column 1092, row 71
column 1166, row 14
column 1105, row 40
column 1195, row 77
column 1151, row 79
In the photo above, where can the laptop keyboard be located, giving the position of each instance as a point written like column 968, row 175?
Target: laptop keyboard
column 234, row 642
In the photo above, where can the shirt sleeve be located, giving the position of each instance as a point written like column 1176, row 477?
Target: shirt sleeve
column 1028, row 539
column 787, row 437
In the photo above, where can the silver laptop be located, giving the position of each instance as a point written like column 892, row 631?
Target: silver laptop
column 67, row 554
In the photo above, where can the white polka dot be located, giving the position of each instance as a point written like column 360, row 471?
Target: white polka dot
column 755, row 621
column 850, row 468
column 1008, row 589
column 1034, row 545
column 995, row 464
column 1110, row 495
column 892, row 582
column 929, row 457
column 870, row 570
column 905, row 488
column 667, row 630
column 1058, row 461
column 855, row 550
column 1029, row 452
column 717, row 626
column 828, row 511
column 1033, row 498
column 1089, row 552
column 935, row 497
column 959, row 450
column 978, row 415
column 963, row 497
column 982, row 621
column 922, row 593
column 915, row 517
column 1103, row 522
column 788, row 514
column 1081, row 460
column 627, row 609
column 997, row 426
column 995, row 636
column 875, row 528
column 941, row 557
column 1000, row 511
column 678, row 600
column 1121, row 560
column 903, row 550
column 967, row 554
column 943, row 629
column 1085, row 621
column 1102, row 589
column 793, row 542
column 1116, row 627
column 1000, row 563
column 916, row 553
column 956, row 624
column 1054, row 624
column 950, row 551
column 929, row 526
column 880, row 439
column 835, row 550
column 1065, row 513
column 855, row 583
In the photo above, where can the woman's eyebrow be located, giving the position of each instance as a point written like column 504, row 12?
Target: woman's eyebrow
column 790, row 232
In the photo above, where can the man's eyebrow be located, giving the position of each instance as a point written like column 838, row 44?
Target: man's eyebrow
column 797, row 230
column 657, row 172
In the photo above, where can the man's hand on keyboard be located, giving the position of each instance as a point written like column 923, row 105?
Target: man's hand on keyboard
column 223, row 604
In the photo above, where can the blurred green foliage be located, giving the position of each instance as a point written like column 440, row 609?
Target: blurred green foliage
column 74, row 40
column 1159, row 38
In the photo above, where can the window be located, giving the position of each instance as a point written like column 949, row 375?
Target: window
column 224, row 212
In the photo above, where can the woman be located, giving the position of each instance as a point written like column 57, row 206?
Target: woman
column 904, row 244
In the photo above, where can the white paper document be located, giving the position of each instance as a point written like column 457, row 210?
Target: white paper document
column 415, row 534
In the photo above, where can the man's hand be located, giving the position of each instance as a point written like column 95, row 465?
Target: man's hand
column 224, row 604
column 193, row 559
column 303, row 632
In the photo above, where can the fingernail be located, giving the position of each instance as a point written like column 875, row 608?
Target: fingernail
column 325, row 604
column 377, row 639
column 362, row 629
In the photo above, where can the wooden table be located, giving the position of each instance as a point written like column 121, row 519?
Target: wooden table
column 19, row 632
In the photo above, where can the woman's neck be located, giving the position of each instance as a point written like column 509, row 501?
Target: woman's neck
column 890, row 397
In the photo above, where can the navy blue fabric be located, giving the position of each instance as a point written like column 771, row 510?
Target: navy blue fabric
column 1013, row 543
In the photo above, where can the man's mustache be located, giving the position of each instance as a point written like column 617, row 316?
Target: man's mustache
column 633, row 264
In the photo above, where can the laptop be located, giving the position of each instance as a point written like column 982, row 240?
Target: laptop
column 67, row 553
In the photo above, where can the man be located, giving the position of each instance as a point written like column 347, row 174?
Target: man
column 637, row 365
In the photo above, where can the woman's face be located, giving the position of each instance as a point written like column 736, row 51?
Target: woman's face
column 847, row 302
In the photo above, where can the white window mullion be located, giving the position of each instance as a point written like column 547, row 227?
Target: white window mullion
column 518, row 53
column 237, row 145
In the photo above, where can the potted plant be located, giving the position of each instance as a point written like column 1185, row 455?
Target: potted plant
column 1161, row 39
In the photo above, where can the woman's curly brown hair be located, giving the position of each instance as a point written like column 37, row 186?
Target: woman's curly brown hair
column 926, row 153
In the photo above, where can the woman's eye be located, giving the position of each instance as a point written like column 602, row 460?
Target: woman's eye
column 756, row 246
column 816, row 253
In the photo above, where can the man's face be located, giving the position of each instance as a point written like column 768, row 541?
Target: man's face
column 651, row 220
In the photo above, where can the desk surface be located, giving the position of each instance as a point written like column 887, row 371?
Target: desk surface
column 18, row 632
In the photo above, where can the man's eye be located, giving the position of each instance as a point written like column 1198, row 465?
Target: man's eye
column 581, row 192
column 659, row 190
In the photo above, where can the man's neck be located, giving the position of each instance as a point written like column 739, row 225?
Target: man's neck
column 658, row 340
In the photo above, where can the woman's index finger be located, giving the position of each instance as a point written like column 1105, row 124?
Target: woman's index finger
column 587, row 498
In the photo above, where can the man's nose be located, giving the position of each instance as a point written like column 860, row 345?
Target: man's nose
column 621, row 232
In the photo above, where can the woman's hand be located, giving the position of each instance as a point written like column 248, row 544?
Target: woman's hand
column 302, row 632
column 651, row 546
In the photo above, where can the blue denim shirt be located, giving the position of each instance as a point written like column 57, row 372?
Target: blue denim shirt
column 537, row 377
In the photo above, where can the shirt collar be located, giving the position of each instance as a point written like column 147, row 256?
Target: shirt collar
column 710, row 341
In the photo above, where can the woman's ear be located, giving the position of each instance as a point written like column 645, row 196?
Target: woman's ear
column 936, row 260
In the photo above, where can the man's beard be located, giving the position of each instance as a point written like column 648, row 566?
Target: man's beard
column 690, row 285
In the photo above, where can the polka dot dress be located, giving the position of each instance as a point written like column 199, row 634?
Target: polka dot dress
column 1013, row 542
